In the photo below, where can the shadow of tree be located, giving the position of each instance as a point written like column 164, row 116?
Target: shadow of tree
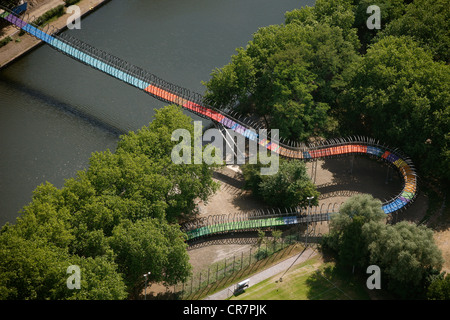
column 322, row 285
column 334, row 282
column 368, row 176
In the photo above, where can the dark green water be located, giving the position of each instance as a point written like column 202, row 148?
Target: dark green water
column 54, row 112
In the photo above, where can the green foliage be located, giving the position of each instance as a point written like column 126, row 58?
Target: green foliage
column 390, row 10
column 439, row 289
column 116, row 220
column 289, row 187
column 150, row 245
column 427, row 22
column 307, row 79
column 365, row 206
column 71, row 2
column 345, row 235
column 36, row 269
column 50, row 15
column 261, row 237
column 401, row 96
column 8, row 3
column 289, row 74
column 5, row 41
column 338, row 13
column 179, row 185
column 100, row 280
column 406, row 253
column 30, row 269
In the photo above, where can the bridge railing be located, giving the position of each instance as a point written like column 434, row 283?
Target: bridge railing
column 139, row 78
column 240, row 222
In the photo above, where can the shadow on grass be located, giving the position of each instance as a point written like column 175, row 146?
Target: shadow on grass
column 332, row 281
column 324, row 284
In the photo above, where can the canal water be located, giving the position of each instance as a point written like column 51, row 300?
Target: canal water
column 54, row 112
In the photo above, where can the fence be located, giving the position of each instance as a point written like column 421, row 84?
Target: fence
column 238, row 266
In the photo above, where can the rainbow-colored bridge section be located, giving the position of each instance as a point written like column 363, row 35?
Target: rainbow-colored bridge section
column 167, row 92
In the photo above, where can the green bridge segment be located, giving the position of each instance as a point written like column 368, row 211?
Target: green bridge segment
column 253, row 224
column 164, row 91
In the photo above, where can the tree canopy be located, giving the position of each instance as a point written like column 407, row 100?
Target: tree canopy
column 116, row 220
column 399, row 94
column 406, row 253
column 346, row 236
column 325, row 73
column 439, row 288
column 288, row 74
column 289, row 187
column 427, row 22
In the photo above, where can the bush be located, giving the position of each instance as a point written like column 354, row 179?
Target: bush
column 49, row 15
column 5, row 41
column 261, row 254
column 439, row 288
column 289, row 187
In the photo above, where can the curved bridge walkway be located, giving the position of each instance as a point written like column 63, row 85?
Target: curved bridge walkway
column 173, row 94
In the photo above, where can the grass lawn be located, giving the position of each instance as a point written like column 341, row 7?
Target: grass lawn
column 312, row 280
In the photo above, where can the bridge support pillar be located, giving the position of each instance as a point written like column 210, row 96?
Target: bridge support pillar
column 352, row 160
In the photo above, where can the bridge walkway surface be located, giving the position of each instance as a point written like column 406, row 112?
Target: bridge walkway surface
column 194, row 102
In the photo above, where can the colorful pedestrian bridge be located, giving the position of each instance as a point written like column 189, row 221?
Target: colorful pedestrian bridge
column 225, row 224
column 173, row 94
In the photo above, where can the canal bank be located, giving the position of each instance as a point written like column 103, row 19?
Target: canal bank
column 42, row 94
column 21, row 45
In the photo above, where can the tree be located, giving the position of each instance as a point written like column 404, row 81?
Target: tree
column 233, row 83
column 45, row 218
column 116, row 220
column 427, row 22
column 336, row 13
column 293, row 109
column 289, row 187
column 406, row 254
column 30, row 269
column 401, row 96
column 290, row 75
column 36, row 269
column 352, row 251
column 276, row 236
column 133, row 177
column 261, row 238
column 390, row 11
column 100, row 280
column 439, row 289
column 178, row 185
column 150, row 245
column 346, row 236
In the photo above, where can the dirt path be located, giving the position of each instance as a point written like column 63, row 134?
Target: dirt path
column 337, row 180
column 334, row 181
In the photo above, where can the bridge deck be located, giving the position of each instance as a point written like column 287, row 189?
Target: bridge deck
column 164, row 91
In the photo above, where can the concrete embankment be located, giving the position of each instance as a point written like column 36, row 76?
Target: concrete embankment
column 21, row 45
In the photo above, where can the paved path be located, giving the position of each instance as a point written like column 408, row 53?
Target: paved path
column 279, row 268
column 14, row 49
